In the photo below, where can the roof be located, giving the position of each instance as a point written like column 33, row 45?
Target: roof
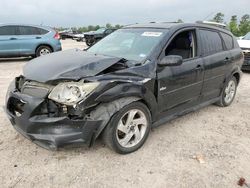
column 31, row 25
column 175, row 25
column 159, row 25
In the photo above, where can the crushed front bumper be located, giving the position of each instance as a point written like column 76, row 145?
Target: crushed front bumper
column 48, row 132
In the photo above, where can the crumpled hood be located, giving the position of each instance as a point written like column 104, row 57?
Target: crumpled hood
column 70, row 64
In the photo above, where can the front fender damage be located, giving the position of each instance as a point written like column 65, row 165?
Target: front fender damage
column 105, row 111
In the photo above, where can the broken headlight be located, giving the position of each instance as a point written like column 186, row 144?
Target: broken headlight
column 70, row 93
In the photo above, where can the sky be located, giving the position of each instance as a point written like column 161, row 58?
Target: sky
column 75, row 13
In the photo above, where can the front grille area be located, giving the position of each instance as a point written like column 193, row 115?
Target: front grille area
column 19, row 81
column 15, row 106
column 247, row 56
column 32, row 88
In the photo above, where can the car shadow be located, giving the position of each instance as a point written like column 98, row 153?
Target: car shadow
column 14, row 60
column 246, row 71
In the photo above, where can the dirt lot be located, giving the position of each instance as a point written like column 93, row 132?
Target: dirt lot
column 221, row 135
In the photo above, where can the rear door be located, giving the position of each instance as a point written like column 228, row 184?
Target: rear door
column 232, row 46
column 8, row 41
column 28, row 38
column 216, row 60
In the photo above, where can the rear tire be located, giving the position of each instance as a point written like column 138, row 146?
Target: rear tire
column 228, row 93
column 128, row 129
column 43, row 50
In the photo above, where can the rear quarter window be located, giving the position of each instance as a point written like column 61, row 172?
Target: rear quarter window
column 211, row 42
column 236, row 44
column 228, row 40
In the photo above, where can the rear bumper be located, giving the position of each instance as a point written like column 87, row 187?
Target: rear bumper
column 58, row 47
column 47, row 132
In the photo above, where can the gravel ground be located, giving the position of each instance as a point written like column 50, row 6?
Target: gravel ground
column 221, row 136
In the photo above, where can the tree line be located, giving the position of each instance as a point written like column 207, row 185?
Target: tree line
column 90, row 28
column 239, row 27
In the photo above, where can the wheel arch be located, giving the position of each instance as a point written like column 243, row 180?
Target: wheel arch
column 44, row 44
column 143, row 94
column 237, row 76
column 236, row 72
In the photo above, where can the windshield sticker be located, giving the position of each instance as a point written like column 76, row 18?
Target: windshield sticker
column 142, row 55
column 152, row 34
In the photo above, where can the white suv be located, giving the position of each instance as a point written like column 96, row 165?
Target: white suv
column 245, row 46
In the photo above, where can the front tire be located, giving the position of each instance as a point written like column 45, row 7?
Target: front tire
column 128, row 129
column 43, row 50
column 228, row 93
column 90, row 42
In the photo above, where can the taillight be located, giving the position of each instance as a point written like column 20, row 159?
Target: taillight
column 57, row 36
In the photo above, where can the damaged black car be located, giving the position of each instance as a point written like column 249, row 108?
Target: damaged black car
column 138, row 77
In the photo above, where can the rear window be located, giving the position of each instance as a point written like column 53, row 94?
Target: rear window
column 8, row 30
column 211, row 42
column 28, row 30
column 228, row 40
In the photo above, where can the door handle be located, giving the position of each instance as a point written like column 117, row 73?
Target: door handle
column 38, row 37
column 198, row 67
column 12, row 38
column 226, row 59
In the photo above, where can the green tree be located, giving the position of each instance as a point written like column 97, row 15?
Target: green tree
column 244, row 25
column 117, row 26
column 82, row 29
column 219, row 18
column 233, row 25
column 97, row 27
column 109, row 26
column 180, row 21
column 91, row 28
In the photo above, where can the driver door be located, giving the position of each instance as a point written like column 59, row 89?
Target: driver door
column 179, row 87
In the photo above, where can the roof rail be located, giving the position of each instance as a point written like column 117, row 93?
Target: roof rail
column 221, row 25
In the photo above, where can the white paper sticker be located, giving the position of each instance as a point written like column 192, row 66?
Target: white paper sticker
column 142, row 55
column 152, row 34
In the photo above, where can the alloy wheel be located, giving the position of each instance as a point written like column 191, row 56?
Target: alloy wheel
column 230, row 92
column 131, row 128
column 44, row 51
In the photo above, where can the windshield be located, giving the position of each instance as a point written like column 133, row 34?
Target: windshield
column 101, row 30
column 247, row 37
column 130, row 44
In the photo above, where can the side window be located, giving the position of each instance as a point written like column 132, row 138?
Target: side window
column 228, row 40
column 27, row 30
column 108, row 31
column 8, row 30
column 184, row 45
column 211, row 42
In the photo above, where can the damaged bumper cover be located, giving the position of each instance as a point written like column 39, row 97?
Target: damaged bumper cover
column 48, row 131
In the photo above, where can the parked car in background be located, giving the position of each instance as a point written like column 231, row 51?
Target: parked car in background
column 138, row 77
column 94, row 36
column 245, row 46
column 67, row 34
column 27, row 40
column 79, row 37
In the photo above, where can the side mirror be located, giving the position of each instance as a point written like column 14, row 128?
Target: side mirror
column 171, row 60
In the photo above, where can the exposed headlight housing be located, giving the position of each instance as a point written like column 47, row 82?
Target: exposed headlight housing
column 70, row 93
